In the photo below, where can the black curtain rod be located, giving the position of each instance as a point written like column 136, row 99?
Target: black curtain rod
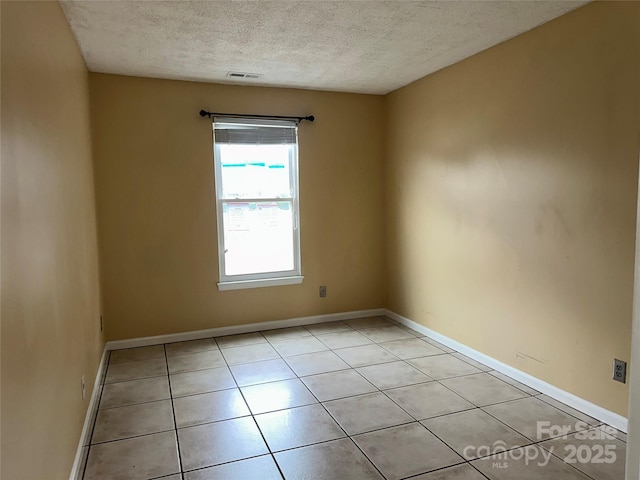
column 204, row 113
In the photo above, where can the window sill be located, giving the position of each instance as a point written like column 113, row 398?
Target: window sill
column 267, row 282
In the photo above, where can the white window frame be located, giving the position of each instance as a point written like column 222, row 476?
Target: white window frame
column 265, row 279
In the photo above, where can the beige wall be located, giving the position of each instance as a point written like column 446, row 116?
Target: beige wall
column 156, row 205
column 510, row 211
column 50, row 288
column 511, row 199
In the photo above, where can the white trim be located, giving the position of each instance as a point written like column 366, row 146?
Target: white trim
column 76, row 472
column 591, row 409
column 633, row 440
column 232, row 282
column 235, row 329
column 265, row 282
column 606, row 416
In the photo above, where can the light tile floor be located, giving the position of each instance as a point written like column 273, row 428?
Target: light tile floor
column 361, row 399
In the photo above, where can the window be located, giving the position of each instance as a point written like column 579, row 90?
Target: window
column 256, row 175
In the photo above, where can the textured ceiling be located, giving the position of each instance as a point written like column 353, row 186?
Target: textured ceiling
column 350, row 46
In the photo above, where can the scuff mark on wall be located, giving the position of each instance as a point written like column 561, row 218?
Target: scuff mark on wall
column 529, row 357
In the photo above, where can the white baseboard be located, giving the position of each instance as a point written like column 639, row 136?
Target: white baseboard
column 235, row 329
column 591, row 409
column 78, row 462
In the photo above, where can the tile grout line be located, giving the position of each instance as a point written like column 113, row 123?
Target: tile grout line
column 477, row 407
column 272, row 344
column 350, row 437
column 134, row 379
column 255, row 422
column 482, row 408
column 383, row 391
column 115, row 440
column 413, row 421
column 533, row 442
column 271, row 454
column 347, row 436
column 569, row 464
column 198, row 469
column 444, row 468
column 173, row 412
column 571, row 414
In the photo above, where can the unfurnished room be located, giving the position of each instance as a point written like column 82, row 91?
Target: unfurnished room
column 319, row 239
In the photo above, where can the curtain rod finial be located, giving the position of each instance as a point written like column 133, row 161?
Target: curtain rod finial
column 204, row 113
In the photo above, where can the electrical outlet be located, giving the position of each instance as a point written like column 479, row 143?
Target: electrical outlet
column 83, row 387
column 323, row 291
column 619, row 371
column 101, row 323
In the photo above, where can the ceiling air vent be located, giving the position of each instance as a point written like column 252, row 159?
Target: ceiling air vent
column 243, row 75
